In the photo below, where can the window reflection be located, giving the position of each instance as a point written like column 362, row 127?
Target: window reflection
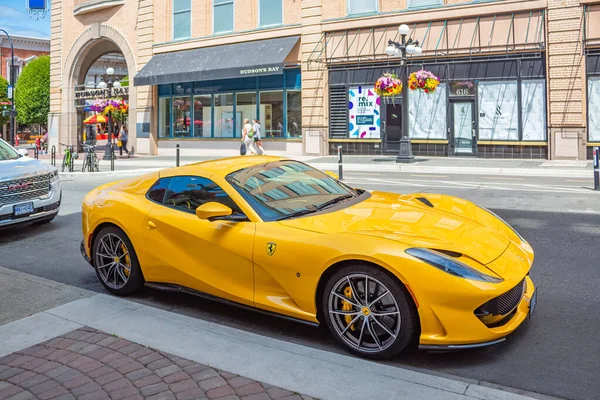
column 225, row 124
column 271, row 111
column 181, row 117
column 202, row 110
column 281, row 188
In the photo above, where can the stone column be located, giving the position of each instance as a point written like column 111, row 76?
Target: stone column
column 566, row 80
column 145, row 131
column 56, row 67
column 315, row 128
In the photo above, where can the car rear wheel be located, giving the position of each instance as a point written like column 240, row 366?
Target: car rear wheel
column 116, row 263
column 369, row 312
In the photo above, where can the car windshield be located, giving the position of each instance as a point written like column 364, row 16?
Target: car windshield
column 287, row 189
column 7, row 152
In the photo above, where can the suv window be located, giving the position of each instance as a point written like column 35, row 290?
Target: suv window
column 186, row 193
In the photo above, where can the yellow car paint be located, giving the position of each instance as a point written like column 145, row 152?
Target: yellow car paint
column 278, row 266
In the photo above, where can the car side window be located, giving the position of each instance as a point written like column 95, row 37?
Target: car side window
column 158, row 190
column 186, row 193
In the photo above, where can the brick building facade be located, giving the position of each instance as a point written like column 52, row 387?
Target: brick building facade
column 518, row 79
column 25, row 50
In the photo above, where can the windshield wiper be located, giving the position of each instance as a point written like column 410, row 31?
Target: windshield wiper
column 319, row 208
column 334, row 201
column 298, row 214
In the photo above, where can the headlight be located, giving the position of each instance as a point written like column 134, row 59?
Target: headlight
column 505, row 223
column 450, row 265
column 54, row 176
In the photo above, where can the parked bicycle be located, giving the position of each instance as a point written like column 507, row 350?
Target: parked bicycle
column 69, row 157
column 90, row 159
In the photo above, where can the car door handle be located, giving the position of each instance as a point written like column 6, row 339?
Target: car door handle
column 151, row 225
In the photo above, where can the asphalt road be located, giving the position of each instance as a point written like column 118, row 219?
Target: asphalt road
column 555, row 353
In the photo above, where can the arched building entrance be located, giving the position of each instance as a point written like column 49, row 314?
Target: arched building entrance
column 93, row 48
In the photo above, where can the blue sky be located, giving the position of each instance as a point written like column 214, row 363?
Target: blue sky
column 16, row 21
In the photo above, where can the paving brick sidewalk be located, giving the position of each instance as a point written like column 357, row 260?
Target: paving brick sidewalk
column 88, row 364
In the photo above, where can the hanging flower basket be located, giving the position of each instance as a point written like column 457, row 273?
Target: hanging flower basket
column 423, row 80
column 118, row 107
column 388, row 85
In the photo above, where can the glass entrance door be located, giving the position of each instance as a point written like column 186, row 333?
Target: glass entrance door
column 393, row 126
column 463, row 138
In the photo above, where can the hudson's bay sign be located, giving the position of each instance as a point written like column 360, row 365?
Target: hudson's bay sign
column 101, row 93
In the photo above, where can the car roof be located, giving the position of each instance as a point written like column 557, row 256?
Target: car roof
column 223, row 166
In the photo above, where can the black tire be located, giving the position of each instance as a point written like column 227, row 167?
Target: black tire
column 135, row 278
column 64, row 163
column 85, row 164
column 404, row 323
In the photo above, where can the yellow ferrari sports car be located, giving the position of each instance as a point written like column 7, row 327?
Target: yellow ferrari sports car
column 383, row 271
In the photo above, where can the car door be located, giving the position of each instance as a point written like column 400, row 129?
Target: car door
column 211, row 257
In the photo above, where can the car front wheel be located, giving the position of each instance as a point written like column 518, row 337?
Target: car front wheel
column 116, row 263
column 369, row 312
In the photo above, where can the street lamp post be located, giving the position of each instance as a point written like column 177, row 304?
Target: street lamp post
column 13, row 113
column 401, row 49
column 109, row 152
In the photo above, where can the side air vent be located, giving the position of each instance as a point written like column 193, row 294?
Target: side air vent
column 425, row 201
column 449, row 253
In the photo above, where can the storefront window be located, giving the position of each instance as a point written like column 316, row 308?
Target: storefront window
column 361, row 6
column 164, row 117
column 182, row 16
column 271, row 12
column 223, row 16
column 423, row 3
column 246, row 107
column 364, row 119
column 224, row 118
column 181, row 117
column 427, row 114
column 498, row 111
column 594, row 109
column 271, row 113
column 202, row 111
column 294, row 113
column 533, row 109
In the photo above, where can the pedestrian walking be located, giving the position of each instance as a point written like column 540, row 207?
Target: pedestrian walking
column 257, row 136
column 248, row 137
column 122, row 143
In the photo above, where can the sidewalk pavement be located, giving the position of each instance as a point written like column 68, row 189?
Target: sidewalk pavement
column 422, row 165
column 103, row 346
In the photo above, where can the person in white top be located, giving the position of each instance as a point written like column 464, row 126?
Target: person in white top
column 257, row 136
column 248, row 137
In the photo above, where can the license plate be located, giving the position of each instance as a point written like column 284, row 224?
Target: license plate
column 532, row 303
column 22, row 209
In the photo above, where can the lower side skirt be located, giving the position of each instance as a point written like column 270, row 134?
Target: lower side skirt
column 169, row 287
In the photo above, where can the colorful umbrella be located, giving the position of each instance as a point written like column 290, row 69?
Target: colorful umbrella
column 95, row 119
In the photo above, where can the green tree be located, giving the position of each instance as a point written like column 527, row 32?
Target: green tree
column 32, row 92
column 3, row 98
column 125, row 81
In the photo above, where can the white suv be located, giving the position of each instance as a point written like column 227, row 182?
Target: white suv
column 29, row 189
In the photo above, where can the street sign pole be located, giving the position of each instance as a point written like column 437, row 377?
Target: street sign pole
column 11, row 92
column 596, row 168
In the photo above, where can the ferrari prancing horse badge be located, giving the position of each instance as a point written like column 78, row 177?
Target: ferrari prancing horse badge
column 271, row 248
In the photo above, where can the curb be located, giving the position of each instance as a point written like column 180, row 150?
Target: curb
column 273, row 361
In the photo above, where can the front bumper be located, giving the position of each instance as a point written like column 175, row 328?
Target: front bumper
column 84, row 254
column 43, row 208
column 460, row 329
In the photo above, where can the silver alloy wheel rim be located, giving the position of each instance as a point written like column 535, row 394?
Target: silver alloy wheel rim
column 368, row 324
column 111, row 261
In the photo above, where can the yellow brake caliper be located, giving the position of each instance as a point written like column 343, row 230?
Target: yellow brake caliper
column 346, row 306
column 127, row 259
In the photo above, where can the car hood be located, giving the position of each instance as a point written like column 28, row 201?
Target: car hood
column 439, row 222
column 23, row 167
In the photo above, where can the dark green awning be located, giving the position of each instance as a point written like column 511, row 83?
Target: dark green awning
column 249, row 59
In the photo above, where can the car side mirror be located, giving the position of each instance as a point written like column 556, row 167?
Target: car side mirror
column 23, row 152
column 212, row 210
column 333, row 175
